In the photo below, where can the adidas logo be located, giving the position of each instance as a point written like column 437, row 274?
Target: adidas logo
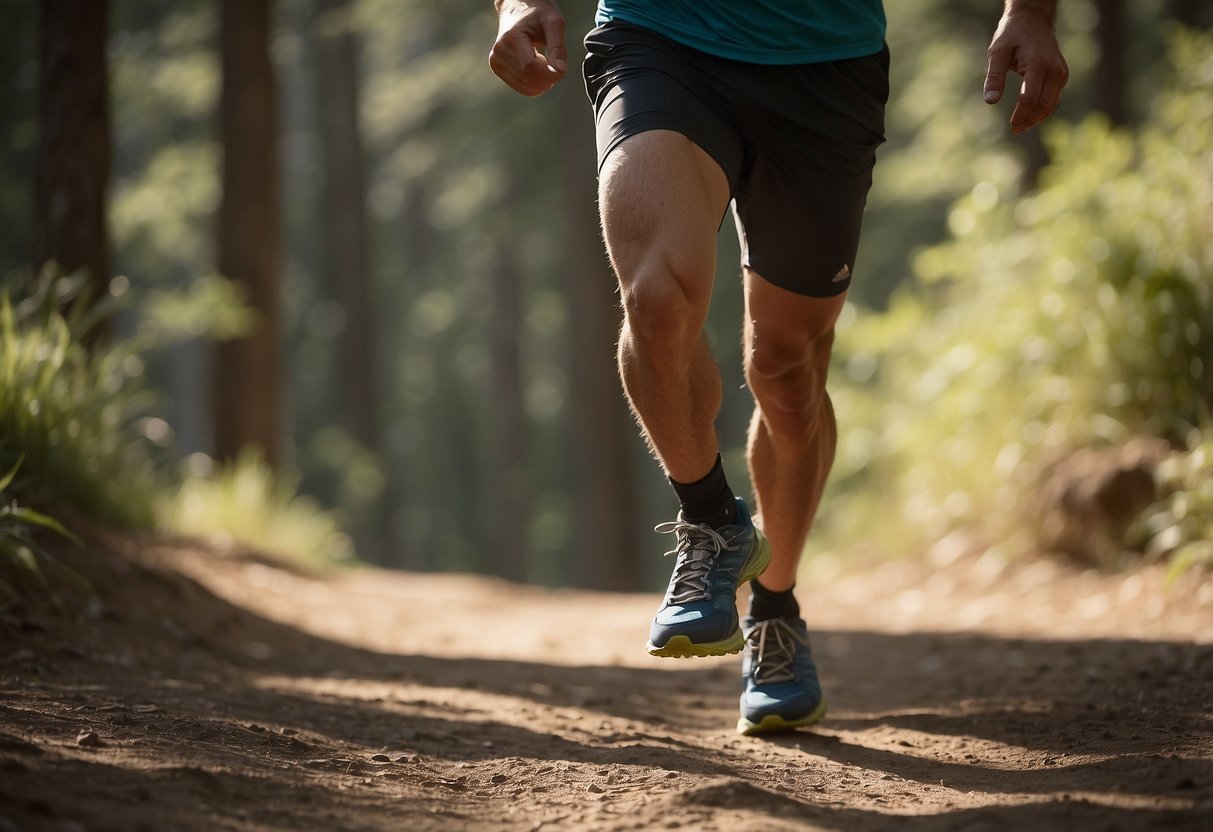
column 843, row 273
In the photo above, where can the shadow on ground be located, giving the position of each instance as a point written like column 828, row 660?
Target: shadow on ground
column 206, row 714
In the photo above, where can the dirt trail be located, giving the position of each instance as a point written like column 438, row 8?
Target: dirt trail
column 215, row 691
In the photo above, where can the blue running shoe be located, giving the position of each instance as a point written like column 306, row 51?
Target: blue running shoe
column 781, row 687
column 699, row 614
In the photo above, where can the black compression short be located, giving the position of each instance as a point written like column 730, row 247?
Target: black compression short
column 797, row 143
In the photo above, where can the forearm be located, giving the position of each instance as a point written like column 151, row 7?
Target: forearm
column 1046, row 9
column 498, row 4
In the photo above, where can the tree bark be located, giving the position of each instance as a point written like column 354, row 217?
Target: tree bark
column 508, row 492
column 248, row 381
column 349, row 275
column 1111, row 77
column 345, row 211
column 74, row 144
column 606, row 547
column 1195, row 14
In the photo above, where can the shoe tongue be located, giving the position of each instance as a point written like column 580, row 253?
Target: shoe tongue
column 693, row 565
column 774, row 662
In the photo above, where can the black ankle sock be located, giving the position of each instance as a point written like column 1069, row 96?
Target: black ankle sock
column 709, row 501
column 765, row 604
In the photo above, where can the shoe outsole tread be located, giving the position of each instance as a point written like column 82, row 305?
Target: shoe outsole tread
column 774, row 723
column 681, row 647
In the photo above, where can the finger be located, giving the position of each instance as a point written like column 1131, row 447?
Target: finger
column 512, row 54
column 1027, row 105
column 1050, row 92
column 553, row 36
column 514, row 60
column 996, row 75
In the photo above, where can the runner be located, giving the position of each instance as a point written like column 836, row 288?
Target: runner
column 775, row 108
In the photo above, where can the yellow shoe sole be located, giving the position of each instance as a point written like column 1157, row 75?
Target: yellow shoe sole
column 681, row 647
column 773, row 723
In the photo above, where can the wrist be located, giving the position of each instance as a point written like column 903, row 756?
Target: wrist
column 1045, row 10
column 501, row 4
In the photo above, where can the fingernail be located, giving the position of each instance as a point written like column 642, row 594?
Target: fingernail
column 991, row 96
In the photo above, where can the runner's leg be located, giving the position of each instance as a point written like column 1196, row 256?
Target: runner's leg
column 661, row 198
column 792, row 436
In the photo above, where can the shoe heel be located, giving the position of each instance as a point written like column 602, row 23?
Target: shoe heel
column 758, row 561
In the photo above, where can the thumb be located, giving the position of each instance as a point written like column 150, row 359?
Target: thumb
column 996, row 77
column 553, row 37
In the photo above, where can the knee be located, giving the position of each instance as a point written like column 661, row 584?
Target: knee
column 787, row 375
column 660, row 316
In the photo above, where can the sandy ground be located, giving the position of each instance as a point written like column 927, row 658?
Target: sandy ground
column 217, row 691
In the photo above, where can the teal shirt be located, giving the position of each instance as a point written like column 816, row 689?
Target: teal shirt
column 761, row 31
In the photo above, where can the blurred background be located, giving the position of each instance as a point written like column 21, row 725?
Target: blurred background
column 305, row 274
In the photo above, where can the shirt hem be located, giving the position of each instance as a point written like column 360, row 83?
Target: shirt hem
column 842, row 52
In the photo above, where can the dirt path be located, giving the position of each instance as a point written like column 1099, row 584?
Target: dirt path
column 209, row 691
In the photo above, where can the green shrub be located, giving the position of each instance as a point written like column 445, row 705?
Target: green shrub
column 1079, row 315
column 1179, row 526
column 20, row 554
column 81, row 420
column 247, row 501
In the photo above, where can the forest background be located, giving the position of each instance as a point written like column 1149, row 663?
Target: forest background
column 369, row 310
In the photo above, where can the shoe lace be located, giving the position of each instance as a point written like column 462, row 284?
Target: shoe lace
column 772, row 645
column 697, row 549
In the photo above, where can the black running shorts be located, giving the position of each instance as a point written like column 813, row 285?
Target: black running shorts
column 797, row 143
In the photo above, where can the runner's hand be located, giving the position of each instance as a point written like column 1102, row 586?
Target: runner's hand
column 524, row 28
column 1024, row 43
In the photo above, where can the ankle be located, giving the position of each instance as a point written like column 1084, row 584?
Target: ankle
column 708, row 501
column 766, row 604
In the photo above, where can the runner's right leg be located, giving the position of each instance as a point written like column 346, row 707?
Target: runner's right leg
column 661, row 198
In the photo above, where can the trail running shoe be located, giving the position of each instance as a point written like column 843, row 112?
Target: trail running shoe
column 699, row 614
column 781, row 687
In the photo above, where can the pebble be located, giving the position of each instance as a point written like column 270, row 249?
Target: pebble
column 89, row 739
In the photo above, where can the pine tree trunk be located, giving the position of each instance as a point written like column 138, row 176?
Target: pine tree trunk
column 606, row 546
column 1111, row 77
column 1195, row 14
column 345, row 209
column 248, row 380
column 74, row 145
column 508, row 490
column 349, row 274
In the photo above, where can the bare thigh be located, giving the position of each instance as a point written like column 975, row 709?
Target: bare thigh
column 661, row 198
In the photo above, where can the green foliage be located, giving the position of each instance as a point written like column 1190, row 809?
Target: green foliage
column 247, row 502
column 79, row 418
column 1179, row 526
column 464, row 177
column 19, row 550
column 164, row 90
column 1082, row 314
column 211, row 306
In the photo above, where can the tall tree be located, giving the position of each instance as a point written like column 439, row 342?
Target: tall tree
column 345, row 213
column 1111, row 78
column 606, row 544
column 347, row 262
column 248, row 375
column 508, row 491
column 74, row 144
column 1197, row 14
